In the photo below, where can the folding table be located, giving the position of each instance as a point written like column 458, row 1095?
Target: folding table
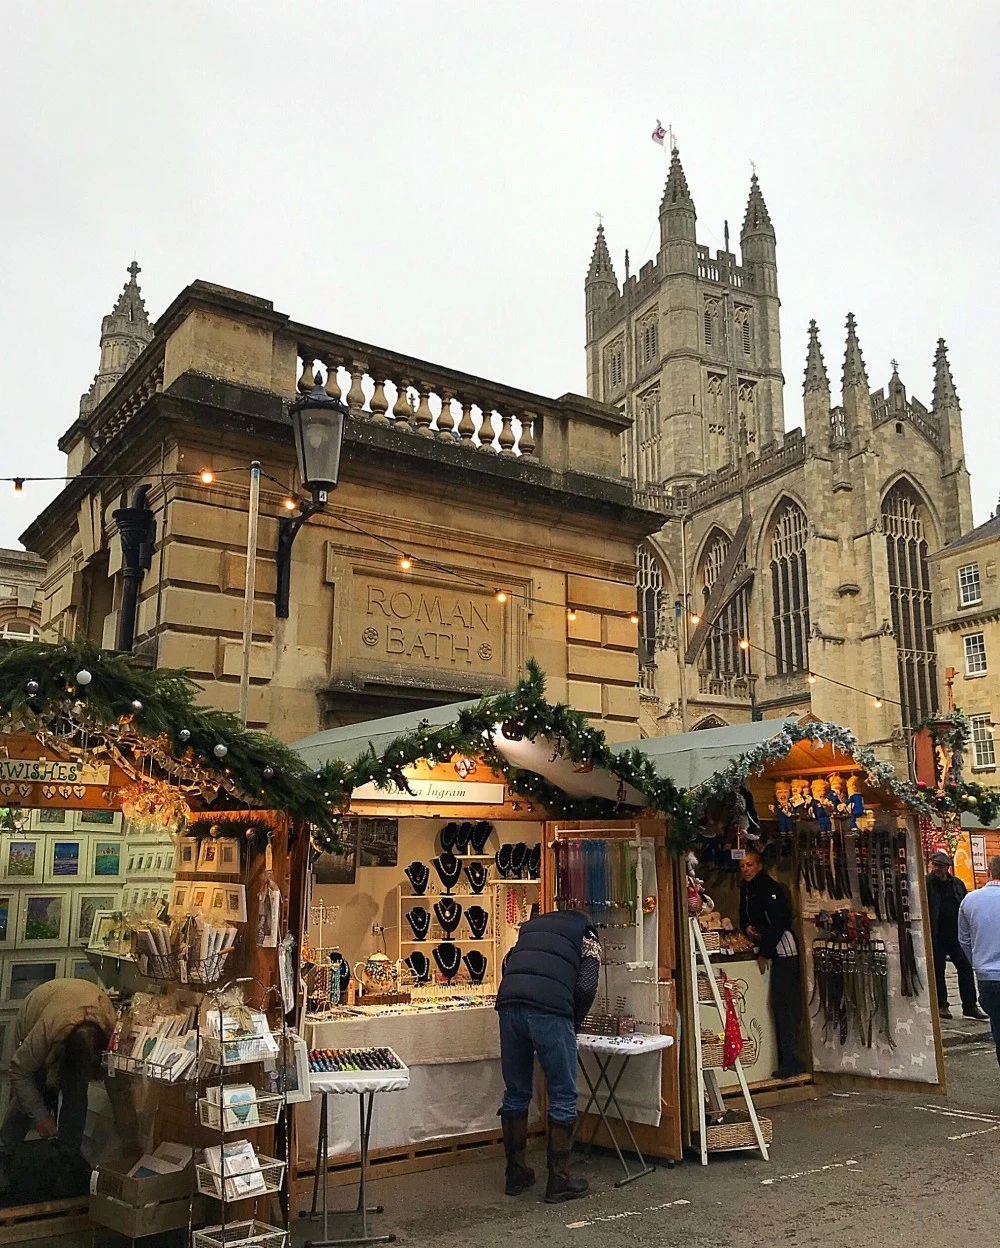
column 605, row 1049
column 363, row 1084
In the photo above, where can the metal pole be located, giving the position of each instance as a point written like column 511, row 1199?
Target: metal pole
column 248, row 600
column 682, row 639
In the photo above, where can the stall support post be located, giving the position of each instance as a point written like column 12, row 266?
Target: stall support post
column 251, row 586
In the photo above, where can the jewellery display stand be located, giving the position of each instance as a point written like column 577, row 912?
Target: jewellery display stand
column 708, row 1083
column 362, row 1084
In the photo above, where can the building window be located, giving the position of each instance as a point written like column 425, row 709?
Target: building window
column 614, row 364
column 910, row 602
column 648, row 470
column 19, row 630
column 711, row 322
column 651, row 599
column 743, row 334
column 970, row 591
column 975, row 654
column 790, row 590
column 721, row 655
column 983, row 751
column 647, row 340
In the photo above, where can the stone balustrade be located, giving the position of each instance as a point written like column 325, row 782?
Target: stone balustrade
column 143, row 381
column 721, row 685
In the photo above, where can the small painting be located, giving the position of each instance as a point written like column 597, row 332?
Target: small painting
column 208, row 855
column 95, row 818
column 187, row 854
column 107, row 858
column 6, row 901
column 90, row 903
column 236, row 903
column 199, row 897
column 25, row 977
column 340, row 868
column 22, row 860
column 66, row 858
column 49, row 815
column 379, row 842
column 43, row 917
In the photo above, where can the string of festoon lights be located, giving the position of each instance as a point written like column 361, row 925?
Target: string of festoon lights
column 878, row 700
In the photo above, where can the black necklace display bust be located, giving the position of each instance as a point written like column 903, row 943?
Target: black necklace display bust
column 477, row 919
column 449, row 914
column 448, row 870
column 448, row 958
column 477, row 875
column 418, row 873
column 475, row 964
column 419, row 920
column 420, row 965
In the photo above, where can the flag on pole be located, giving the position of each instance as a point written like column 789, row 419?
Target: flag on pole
column 659, row 134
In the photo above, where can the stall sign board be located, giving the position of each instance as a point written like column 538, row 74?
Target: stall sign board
column 52, row 771
column 979, row 853
column 475, row 793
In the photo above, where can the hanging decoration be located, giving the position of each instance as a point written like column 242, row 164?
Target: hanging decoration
column 153, row 805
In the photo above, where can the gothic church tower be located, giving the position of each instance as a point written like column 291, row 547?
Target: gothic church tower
column 124, row 332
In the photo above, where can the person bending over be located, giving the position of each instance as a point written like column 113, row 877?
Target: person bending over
column 549, row 982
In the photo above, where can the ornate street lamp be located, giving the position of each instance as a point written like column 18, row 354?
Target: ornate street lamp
column 318, row 422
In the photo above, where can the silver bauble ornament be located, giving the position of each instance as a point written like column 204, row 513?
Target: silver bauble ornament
column 32, row 687
column 220, row 751
column 268, row 773
column 83, row 677
column 136, row 705
column 184, row 734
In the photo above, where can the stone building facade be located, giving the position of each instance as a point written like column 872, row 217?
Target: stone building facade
column 21, row 573
column 474, row 525
column 810, row 545
column 965, row 580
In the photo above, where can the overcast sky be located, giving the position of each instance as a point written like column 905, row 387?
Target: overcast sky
column 425, row 176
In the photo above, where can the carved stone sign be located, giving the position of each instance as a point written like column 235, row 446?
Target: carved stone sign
column 409, row 623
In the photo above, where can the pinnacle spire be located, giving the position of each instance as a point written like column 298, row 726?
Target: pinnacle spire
column 125, row 331
column 816, row 376
column 757, row 219
column 676, row 193
column 601, row 269
column 945, row 394
column 854, row 365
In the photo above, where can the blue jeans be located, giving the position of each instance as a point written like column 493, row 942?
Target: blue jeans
column 989, row 999
column 525, row 1032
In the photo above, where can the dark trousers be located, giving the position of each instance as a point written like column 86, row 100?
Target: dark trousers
column 67, row 1104
column 989, row 997
column 946, row 946
column 525, row 1032
column 786, row 1009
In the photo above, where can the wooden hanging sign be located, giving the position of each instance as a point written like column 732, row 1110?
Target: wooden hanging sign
column 52, row 771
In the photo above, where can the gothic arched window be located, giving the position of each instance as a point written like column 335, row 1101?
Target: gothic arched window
column 910, row 602
column 651, row 597
column 721, row 655
column 790, row 590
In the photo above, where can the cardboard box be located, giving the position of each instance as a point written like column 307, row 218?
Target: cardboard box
column 146, row 1206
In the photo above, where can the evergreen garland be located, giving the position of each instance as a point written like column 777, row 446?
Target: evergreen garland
column 40, row 693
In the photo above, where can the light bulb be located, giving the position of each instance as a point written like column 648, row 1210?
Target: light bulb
column 289, row 504
column 571, row 615
column 695, row 619
column 207, row 476
column 406, row 563
column 18, row 485
column 744, row 644
column 501, row 596
column 634, row 617
column 810, row 679
column 877, row 703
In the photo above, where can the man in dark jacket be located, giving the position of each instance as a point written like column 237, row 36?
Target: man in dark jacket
column 549, row 983
column 944, row 896
column 766, row 918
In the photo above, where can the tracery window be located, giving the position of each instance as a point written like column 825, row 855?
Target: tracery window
column 647, row 340
column 910, row 602
column 744, row 337
column 790, row 590
column 651, row 599
column 721, row 654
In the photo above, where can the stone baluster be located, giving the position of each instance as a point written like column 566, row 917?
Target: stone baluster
column 308, row 381
column 380, row 405
column 486, row 431
column 332, row 384
column 356, row 394
column 506, row 434
column 423, row 416
column 401, row 408
column 466, row 426
column 527, row 443
column 446, row 421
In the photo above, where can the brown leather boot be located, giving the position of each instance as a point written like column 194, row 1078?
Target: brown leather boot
column 519, row 1177
column 562, row 1186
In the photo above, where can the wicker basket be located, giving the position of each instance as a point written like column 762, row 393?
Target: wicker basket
column 713, row 941
column 712, row 1053
column 705, row 988
column 737, row 1132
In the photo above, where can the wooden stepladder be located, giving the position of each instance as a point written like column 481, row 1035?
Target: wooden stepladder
column 709, row 1093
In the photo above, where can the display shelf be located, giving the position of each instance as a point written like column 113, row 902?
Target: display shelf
column 234, row 1117
column 448, row 940
column 500, row 883
column 231, row 1185
column 475, row 857
column 119, row 1064
column 252, row 1234
column 425, row 896
column 243, row 1051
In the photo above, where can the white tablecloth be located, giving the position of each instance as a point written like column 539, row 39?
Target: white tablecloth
column 426, row 1038
column 356, row 1082
column 639, row 1089
column 628, row 1046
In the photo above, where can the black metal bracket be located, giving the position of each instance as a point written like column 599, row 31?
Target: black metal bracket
column 288, row 529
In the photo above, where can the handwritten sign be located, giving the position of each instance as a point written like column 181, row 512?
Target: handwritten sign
column 51, row 771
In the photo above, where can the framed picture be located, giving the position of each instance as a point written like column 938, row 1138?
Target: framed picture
column 341, row 868
column 85, row 907
column 44, row 918
column 226, row 857
column 105, row 859
column 217, row 902
column 49, row 817
column 66, row 860
column 8, row 918
column 100, row 820
column 6, row 1039
column 236, row 902
column 106, row 935
column 208, row 855
column 379, row 842
column 23, row 975
column 23, row 859
column 83, row 968
column 180, row 892
column 187, row 853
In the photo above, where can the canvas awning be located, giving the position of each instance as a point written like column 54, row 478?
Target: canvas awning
column 690, row 758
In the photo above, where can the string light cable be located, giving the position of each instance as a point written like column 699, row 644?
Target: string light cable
column 812, row 676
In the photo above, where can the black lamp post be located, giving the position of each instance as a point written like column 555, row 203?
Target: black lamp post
column 318, row 428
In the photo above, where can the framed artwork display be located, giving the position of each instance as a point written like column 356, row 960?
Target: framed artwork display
column 105, row 859
column 8, row 918
column 236, row 903
column 187, row 853
column 66, row 860
column 47, row 818
column 86, row 904
column 24, row 974
column 219, row 856
column 99, row 820
column 200, row 897
column 208, row 855
column 44, row 918
column 6, row 1039
column 23, row 859
column 106, row 935
column 82, row 968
